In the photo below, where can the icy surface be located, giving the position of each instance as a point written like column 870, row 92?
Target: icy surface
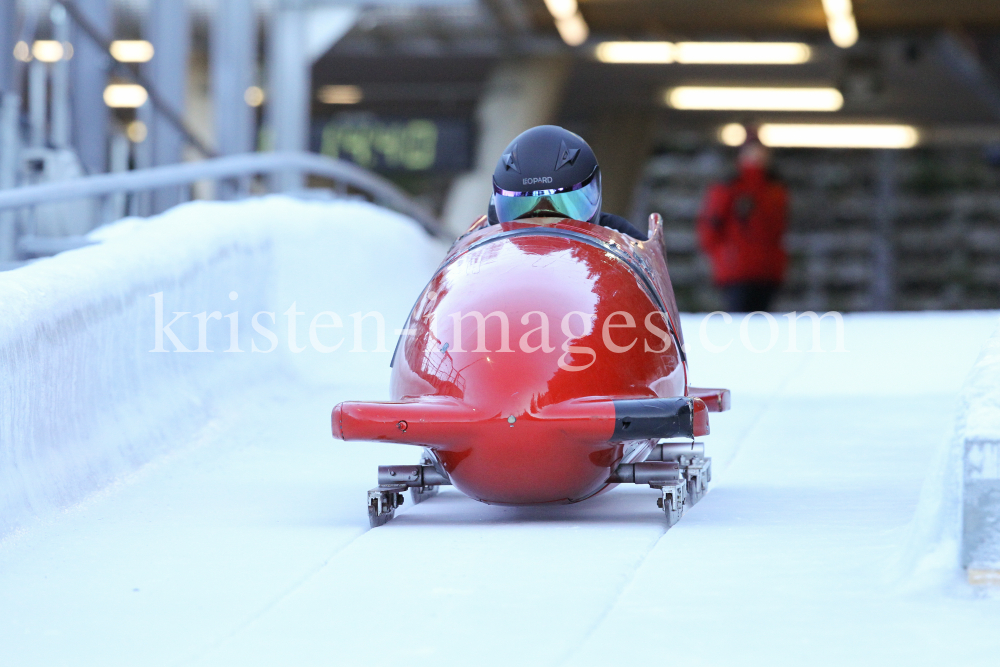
column 236, row 534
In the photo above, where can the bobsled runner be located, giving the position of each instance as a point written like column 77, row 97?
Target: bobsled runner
column 542, row 364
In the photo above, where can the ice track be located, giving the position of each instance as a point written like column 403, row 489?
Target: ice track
column 245, row 540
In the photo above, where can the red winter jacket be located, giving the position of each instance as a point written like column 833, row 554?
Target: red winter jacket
column 741, row 227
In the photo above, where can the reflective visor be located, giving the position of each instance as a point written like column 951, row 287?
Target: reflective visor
column 579, row 202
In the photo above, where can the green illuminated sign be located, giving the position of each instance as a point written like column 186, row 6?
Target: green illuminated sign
column 409, row 145
column 396, row 144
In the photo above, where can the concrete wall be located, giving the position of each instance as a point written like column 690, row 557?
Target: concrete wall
column 520, row 94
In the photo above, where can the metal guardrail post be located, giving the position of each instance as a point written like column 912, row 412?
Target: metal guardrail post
column 981, row 511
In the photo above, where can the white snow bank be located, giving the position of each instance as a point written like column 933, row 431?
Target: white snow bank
column 84, row 399
column 933, row 552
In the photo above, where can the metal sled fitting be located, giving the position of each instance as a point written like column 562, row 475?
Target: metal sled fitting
column 382, row 503
column 679, row 470
column 422, row 480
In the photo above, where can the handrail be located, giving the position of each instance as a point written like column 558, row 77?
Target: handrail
column 233, row 166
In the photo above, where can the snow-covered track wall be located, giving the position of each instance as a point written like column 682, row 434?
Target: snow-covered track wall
column 956, row 526
column 94, row 384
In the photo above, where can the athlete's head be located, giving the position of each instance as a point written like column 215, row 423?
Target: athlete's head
column 753, row 154
column 547, row 172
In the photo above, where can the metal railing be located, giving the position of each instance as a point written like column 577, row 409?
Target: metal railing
column 231, row 168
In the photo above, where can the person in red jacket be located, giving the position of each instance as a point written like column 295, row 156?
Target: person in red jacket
column 741, row 228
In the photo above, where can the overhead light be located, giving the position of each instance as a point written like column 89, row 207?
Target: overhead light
column 704, row 53
column 136, row 131
column 721, row 98
column 573, row 30
column 733, row 134
column 840, row 22
column 254, row 96
column 780, row 135
column 843, row 31
column 48, row 50
column 742, row 53
column 22, row 52
column 569, row 21
column 562, row 9
column 125, row 95
column 131, row 51
column 642, row 53
column 339, row 94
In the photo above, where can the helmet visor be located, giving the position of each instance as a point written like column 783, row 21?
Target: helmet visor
column 579, row 202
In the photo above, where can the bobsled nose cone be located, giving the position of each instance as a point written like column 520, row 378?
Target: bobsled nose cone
column 338, row 422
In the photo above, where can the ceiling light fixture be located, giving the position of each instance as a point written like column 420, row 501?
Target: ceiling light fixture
column 704, row 53
column 569, row 21
column 48, row 50
column 840, row 22
column 125, row 96
column 722, row 98
column 779, row 135
column 22, row 52
column 131, row 51
column 573, row 30
column 642, row 53
column 733, row 134
column 742, row 53
column 254, row 96
column 136, row 131
column 339, row 94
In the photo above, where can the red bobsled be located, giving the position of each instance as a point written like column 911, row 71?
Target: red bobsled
column 543, row 363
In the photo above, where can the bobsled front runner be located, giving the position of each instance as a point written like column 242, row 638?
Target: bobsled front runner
column 543, row 363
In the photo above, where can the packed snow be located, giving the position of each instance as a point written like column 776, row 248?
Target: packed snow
column 192, row 508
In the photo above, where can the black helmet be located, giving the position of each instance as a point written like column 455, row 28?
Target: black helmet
column 547, row 171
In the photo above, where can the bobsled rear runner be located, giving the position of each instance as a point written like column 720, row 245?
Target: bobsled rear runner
column 542, row 364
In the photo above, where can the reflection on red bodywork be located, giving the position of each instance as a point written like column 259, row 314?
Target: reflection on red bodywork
column 501, row 432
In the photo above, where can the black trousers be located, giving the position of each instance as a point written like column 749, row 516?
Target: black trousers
column 747, row 297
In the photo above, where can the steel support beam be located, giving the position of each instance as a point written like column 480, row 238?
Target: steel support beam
column 60, row 124
column 883, row 253
column 37, row 103
column 10, row 111
column 168, row 29
column 965, row 64
column 233, row 51
column 89, row 74
column 8, row 28
column 288, row 75
column 99, row 36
